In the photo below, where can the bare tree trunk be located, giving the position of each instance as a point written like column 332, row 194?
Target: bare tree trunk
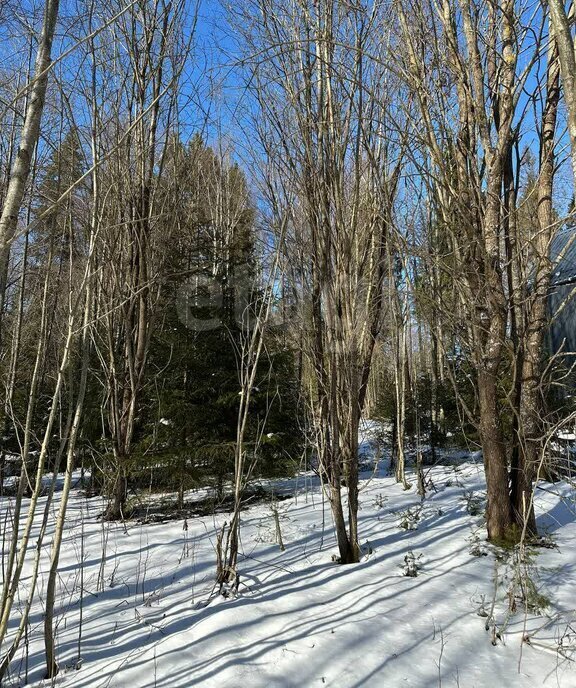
column 251, row 348
column 148, row 94
column 561, row 22
column 482, row 57
column 24, row 479
column 491, row 334
column 531, row 427
column 28, row 141
column 51, row 664
column 399, row 310
column 12, row 584
column 499, row 511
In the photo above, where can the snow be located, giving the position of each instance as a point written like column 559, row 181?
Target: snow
column 152, row 618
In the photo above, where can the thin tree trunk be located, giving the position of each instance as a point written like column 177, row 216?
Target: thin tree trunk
column 561, row 22
column 13, row 583
column 23, row 481
column 51, row 664
column 531, row 407
column 28, row 141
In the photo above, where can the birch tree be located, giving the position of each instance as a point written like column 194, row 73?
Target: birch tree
column 562, row 20
column 28, row 140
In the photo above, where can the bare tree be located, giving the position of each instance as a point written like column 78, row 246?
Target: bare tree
column 147, row 90
column 470, row 174
column 531, row 429
column 562, row 20
column 326, row 126
column 254, row 321
column 28, row 141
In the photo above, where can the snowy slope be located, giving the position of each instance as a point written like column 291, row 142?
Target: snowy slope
column 151, row 618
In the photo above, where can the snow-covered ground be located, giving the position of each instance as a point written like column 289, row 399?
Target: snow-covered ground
column 151, row 617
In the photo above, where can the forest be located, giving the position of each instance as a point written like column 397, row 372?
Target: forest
column 287, row 343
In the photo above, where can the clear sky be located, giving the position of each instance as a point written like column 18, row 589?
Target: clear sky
column 212, row 95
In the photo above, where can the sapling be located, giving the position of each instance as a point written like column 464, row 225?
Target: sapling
column 412, row 564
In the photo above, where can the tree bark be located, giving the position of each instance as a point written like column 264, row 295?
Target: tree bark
column 499, row 519
column 561, row 20
column 28, row 141
column 531, row 426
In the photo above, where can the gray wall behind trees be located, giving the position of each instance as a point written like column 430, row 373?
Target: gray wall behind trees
column 563, row 329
